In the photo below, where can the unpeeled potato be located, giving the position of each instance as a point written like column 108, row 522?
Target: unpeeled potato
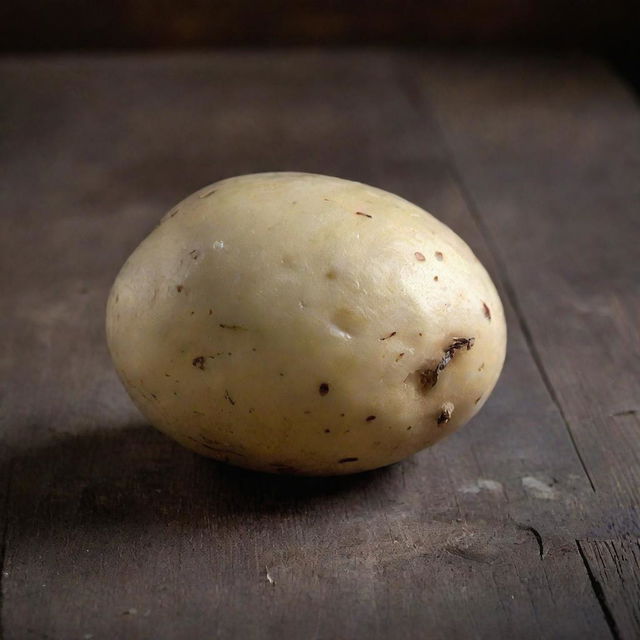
column 299, row 323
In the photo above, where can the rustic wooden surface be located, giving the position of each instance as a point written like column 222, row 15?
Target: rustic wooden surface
column 523, row 525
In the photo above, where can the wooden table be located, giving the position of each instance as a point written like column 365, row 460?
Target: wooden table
column 525, row 524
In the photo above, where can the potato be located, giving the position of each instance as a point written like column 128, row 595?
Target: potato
column 298, row 323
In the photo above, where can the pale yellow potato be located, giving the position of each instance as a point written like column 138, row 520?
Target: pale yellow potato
column 298, row 323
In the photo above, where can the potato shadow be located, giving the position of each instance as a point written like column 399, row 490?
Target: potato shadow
column 137, row 477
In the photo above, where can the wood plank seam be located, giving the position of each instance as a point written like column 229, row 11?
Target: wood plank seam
column 599, row 594
column 3, row 540
column 418, row 96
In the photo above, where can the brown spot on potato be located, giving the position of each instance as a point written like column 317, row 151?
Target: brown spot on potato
column 228, row 397
column 323, row 389
column 399, row 356
column 198, row 362
column 179, row 287
column 477, row 400
column 327, row 430
column 436, row 278
column 481, row 367
column 370, row 418
column 444, row 417
column 195, row 254
column 439, row 255
column 331, row 275
column 210, row 311
column 207, row 194
column 347, row 460
column 233, row 327
column 429, row 376
column 419, row 256
column 362, row 213
column 393, row 333
column 487, row 311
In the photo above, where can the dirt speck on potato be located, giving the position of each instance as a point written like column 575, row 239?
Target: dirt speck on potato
column 207, row 194
column 179, row 288
column 323, row 389
column 233, row 327
column 198, row 362
column 362, row 213
column 228, row 397
column 419, row 256
column 370, row 418
column 487, row 311
column 343, row 460
column 445, row 413
column 393, row 333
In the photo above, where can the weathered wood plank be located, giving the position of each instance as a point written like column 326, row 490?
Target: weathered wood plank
column 548, row 154
column 133, row 536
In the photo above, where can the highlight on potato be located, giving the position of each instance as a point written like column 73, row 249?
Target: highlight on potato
column 304, row 324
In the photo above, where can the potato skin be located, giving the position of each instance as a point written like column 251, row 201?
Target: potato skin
column 304, row 324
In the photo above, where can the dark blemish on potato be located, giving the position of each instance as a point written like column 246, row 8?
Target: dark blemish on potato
column 435, row 278
column 429, row 377
column 207, row 194
column 327, row 430
column 175, row 393
column 198, row 413
column 331, row 275
column 361, row 213
column 198, row 362
column 210, row 311
column 251, row 410
column 173, row 213
column 420, row 333
column 117, row 297
column 347, row 460
column 342, row 415
column 281, row 374
column 179, row 288
column 154, row 396
column 439, row 255
column 323, row 389
column 487, row 311
column 228, row 397
column 192, row 313
column 419, row 256
column 399, row 356
column 444, row 417
column 477, row 400
column 307, row 412
column 409, row 428
column 234, row 327
column 393, row 333
column 370, row 418
column 167, row 375
column 195, row 254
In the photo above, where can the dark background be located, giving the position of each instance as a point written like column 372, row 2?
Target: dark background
column 608, row 28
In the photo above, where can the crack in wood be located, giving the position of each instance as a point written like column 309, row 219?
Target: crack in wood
column 598, row 591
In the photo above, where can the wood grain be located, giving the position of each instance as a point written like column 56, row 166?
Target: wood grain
column 112, row 530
